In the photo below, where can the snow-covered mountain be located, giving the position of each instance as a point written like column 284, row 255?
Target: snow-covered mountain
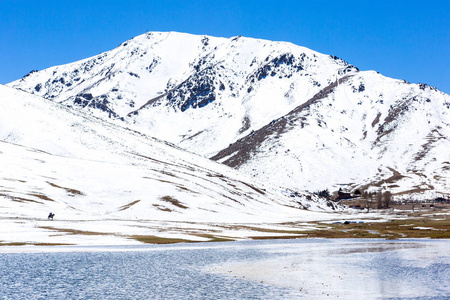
column 196, row 91
column 279, row 112
column 364, row 132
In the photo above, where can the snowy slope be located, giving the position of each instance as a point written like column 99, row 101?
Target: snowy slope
column 273, row 110
column 365, row 132
column 87, row 170
column 54, row 157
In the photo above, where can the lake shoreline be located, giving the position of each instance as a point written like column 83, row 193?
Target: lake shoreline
column 380, row 224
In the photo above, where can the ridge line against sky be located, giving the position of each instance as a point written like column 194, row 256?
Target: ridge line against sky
column 401, row 39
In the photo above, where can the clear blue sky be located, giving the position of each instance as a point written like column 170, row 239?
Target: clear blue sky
column 402, row 39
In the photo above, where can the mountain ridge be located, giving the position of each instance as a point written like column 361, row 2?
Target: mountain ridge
column 211, row 95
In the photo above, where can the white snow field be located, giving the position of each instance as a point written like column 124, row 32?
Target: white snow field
column 106, row 184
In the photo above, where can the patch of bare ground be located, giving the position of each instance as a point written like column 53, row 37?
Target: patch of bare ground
column 431, row 138
column 396, row 176
column 165, row 181
column 70, row 192
column 14, row 180
column 419, row 226
column 446, row 166
column 127, row 206
column 232, row 199
column 215, row 175
column 148, row 103
column 13, row 244
column 215, row 238
column 183, row 188
column 19, row 199
column 162, row 208
column 174, row 202
column 416, row 190
column 285, row 232
column 41, row 196
column 23, row 200
column 253, row 188
column 376, row 120
column 192, row 136
column 245, row 125
column 73, row 231
column 278, row 237
column 423, row 224
column 155, row 160
column 152, row 239
column 33, row 244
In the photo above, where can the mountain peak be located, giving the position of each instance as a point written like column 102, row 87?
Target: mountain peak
column 277, row 111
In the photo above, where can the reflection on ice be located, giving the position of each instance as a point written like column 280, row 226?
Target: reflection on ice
column 353, row 269
column 375, row 247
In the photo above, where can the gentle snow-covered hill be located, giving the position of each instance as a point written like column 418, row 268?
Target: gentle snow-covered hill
column 274, row 110
column 85, row 169
column 53, row 157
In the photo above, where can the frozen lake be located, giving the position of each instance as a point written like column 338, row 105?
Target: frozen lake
column 271, row 269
